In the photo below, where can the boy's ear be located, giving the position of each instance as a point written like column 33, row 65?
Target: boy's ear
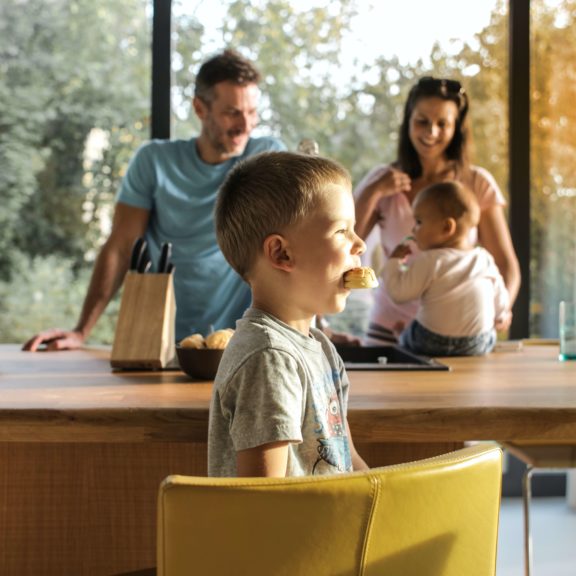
column 449, row 227
column 277, row 252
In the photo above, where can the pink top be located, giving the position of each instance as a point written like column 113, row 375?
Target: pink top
column 396, row 220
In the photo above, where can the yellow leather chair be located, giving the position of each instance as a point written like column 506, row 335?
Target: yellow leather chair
column 434, row 517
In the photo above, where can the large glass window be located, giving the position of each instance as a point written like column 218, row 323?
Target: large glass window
column 553, row 150
column 75, row 102
column 74, row 105
column 339, row 72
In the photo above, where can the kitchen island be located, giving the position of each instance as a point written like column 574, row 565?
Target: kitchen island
column 83, row 449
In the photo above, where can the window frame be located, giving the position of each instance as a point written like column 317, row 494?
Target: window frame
column 519, row 130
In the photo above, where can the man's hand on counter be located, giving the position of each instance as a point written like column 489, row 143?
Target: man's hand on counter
column 55, row 339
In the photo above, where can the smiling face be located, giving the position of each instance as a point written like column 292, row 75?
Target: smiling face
column 227, row 121
column 323, row 247
column 432, row 126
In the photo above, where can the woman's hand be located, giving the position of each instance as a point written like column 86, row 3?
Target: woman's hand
column 369, row 192
column 392, row 182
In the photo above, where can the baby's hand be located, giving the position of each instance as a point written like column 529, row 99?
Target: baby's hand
column 401, row 251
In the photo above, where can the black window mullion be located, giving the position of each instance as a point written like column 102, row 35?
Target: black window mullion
column 519, row 148
column 161, row 67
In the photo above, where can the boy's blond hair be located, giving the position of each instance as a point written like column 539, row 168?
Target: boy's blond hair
column 453, row 200
column 266, row 194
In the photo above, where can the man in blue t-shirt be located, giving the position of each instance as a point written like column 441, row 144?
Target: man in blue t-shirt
column 168, row 195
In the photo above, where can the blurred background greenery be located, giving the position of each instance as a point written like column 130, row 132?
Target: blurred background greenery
column 75, row 103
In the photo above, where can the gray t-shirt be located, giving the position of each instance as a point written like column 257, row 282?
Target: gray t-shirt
column 275, row 384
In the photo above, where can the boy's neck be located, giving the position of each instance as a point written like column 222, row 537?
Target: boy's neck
column 284, row 313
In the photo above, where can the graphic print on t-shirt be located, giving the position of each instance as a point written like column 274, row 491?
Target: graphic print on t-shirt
column 333, row 447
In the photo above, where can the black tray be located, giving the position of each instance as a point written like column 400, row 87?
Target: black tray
column 393, row 358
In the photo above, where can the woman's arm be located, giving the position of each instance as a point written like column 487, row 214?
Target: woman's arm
column 494, row 235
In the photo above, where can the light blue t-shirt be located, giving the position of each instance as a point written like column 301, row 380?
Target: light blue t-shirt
column 168, row 178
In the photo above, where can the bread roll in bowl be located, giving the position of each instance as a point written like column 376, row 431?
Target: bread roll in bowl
column 193, row 341
column 361, row 277
column 219, row 339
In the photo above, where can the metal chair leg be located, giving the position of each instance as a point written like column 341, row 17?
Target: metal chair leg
column 526, row 497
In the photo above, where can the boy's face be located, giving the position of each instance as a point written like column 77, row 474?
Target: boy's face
column 325, row 246
column 428, row 231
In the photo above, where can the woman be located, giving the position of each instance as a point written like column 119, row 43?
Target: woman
column 433, row 147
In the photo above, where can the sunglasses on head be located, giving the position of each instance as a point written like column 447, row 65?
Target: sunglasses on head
column 443, row 86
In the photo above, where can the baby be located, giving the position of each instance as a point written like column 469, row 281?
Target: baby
column 461, row 292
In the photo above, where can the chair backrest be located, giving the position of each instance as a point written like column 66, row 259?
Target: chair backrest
column 433, row 517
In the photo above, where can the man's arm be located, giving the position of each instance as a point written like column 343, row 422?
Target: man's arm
column 109, row 270
column 267, row 460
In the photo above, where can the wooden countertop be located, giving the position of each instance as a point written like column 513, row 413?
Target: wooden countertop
column 523, row 397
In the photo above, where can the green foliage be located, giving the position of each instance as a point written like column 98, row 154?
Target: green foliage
column 47, row 292
column 68, row 70
column 553, row 185
column 74, row 105
column 65, row 69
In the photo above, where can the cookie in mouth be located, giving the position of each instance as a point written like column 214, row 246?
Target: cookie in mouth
column 360, row 277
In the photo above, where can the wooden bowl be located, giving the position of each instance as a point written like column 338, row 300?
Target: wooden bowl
column 199, row 363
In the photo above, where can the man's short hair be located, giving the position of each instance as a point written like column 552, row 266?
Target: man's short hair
column 228, row 66
column 266, row 194
column 452, row 200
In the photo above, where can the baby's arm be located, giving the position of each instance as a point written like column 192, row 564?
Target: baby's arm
column 406, row 283
column 267, row 460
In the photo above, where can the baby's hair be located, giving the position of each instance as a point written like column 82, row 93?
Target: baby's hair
column 452, row 200
column 264, row 195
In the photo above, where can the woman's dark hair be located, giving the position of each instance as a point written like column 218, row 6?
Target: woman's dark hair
column 446, row 89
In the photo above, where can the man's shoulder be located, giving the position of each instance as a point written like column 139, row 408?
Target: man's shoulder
column 160, row 152
column 263, row 144
column 157, row 146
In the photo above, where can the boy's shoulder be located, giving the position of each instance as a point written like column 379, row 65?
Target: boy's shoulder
column 257, row 332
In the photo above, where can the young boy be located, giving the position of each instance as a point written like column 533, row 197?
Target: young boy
column 461, row 292
column 285, row 223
